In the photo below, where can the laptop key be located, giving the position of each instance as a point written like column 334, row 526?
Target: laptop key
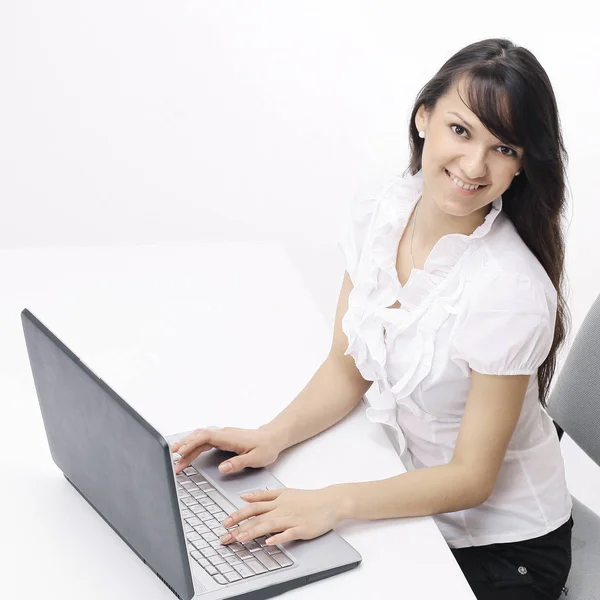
column 210, row 537
column 220, row 579
column 223, row 503
column 192, row 537
column 244, row 571
column 211, row 570
column 266, row 560
column 212, row 523
column 244, row 554
column 233, row 576
column 201, row 529
column 225, row 567
column 190, row 471
column 212, row 508
column 216, row 560
column 188, row 528
column 282, row 559
column 233, row 560
column 256, row 566
column 193, row 521
column 252, row 546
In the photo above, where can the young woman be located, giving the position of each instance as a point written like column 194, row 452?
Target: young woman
column 452, row 303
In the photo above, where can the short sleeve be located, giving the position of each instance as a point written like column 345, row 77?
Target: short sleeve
column 353, row 231
column 508, row 327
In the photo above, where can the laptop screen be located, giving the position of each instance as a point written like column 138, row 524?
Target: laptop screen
column 116, row 460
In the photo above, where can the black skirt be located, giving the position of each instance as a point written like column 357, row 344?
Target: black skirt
column 534, row 569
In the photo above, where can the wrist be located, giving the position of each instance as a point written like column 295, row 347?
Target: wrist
column 342, row 500
column 278, row 436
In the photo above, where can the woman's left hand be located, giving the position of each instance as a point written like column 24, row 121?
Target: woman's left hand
column 297, row 514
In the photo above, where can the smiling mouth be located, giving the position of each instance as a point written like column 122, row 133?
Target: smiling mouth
column 461, row 184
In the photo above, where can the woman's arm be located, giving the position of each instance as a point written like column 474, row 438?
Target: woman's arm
column 334, row 390
column 491, row 414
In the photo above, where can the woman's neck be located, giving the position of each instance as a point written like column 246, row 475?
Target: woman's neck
column 433, row 224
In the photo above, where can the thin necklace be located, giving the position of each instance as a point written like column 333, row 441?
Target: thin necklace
column 413, row 233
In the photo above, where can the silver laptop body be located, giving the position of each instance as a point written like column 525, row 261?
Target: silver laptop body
column 123, row 467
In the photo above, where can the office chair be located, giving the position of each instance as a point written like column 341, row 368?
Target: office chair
column 574, row 405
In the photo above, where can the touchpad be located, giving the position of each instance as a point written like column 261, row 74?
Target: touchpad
column 247, row 480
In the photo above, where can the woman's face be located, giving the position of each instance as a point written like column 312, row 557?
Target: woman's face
column 457, row 145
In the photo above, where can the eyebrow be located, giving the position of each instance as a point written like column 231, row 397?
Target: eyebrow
column 462, row 119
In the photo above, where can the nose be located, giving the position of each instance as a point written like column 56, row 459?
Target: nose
column 473, row 164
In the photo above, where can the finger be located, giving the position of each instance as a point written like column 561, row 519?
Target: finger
column 261, row 495
column 250, row 510
column 186, row 460
column 293, row 533
column 258, row 527
column 237, row 463
column 195, row 439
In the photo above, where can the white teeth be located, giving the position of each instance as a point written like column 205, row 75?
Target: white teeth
column 460, row 184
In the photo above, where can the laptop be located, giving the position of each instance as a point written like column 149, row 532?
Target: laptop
column 124, row 468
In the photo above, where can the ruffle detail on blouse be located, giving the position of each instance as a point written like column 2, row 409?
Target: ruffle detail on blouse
column 413, row 360
column 427, row 300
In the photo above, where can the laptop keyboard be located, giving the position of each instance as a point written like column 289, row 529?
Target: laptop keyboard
column 203, row 513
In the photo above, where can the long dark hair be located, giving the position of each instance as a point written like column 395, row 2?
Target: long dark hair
column 510, row 93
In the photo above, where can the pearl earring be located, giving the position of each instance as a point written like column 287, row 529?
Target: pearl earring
column 421, row 134
column 517, row 173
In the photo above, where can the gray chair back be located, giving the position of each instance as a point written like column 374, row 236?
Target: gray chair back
column 574, row 403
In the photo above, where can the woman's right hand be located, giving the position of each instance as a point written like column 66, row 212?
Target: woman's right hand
column 254, row 447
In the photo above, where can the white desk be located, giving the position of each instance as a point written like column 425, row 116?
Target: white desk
column 190, row 336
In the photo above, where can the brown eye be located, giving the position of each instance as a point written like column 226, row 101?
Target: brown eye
column 458, row 127
column 510, row 152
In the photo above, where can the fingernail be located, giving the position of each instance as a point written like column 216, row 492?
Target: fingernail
column 226, row 538
column 225, row 467
column 228, row 521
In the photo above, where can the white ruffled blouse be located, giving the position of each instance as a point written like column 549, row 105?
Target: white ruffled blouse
column 482, row 302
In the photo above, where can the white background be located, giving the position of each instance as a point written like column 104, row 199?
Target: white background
column 149, row 122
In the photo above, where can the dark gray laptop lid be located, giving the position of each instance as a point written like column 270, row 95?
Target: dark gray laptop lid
column 116, row 460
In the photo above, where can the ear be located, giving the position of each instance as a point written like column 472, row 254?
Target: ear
column 421, row 118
